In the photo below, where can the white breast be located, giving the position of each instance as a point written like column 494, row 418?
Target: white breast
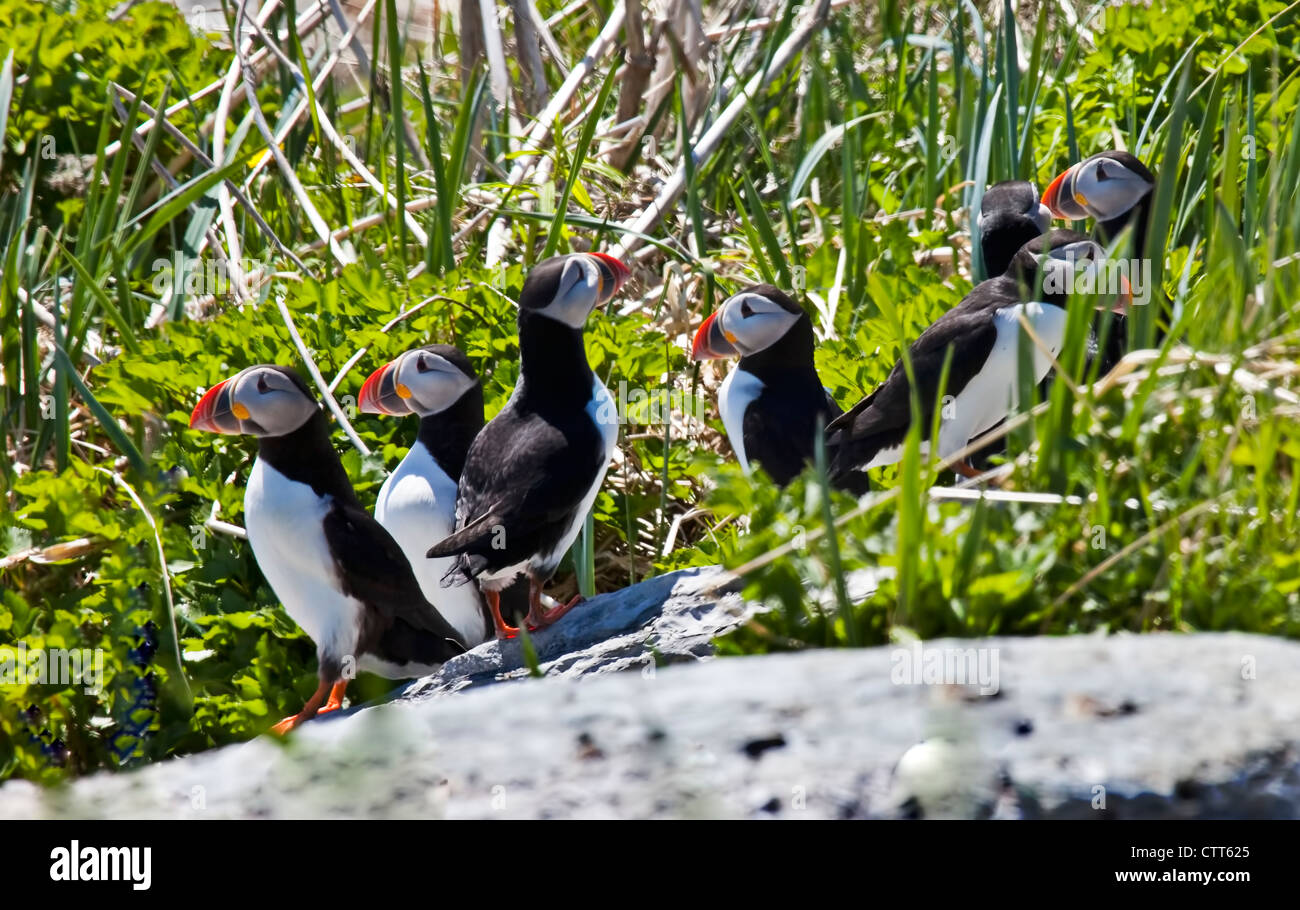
column 892, row 455
column 417, row 505
column 284, row 522
column 735, row 394
column 604, row 414
column 371, row 663
column 994, row 392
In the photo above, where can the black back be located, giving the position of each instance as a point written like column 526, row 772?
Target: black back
column 882, row 419
column 528, row 470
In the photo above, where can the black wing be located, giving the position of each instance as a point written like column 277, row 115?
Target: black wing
column 524, row 478
column 373, row 569
column 833, row 409
column 882, row 418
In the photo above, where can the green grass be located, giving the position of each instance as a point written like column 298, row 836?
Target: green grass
column 1169, row 494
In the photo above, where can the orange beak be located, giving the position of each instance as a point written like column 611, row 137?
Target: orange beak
column 1059, row 199
column 1124, row 297
column 381, row 393
column 710, row 341
column 613, row 274
column 213, row 412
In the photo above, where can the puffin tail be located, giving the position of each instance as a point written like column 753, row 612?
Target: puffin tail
column 853, row 482
column 468, row 538
column 843, row 456
column 463, row 570
column 466, row 545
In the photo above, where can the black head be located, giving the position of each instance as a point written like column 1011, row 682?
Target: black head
column 568, row 288
column 1104, row 186
column 1010, row 216
column 264, row 400
column 746, row 323
column 424, row 381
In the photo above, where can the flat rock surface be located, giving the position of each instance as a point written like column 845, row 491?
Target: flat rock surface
column 668, row 619
column 1122, row 727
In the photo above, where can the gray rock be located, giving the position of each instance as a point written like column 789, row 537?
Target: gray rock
column 1124, row 727
column 663, row 620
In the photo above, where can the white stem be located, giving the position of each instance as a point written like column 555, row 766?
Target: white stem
column 712, row 138
column 344, row 257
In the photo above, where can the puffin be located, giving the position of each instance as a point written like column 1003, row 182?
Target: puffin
column 983, row 333
column 1011, row 215
column 533, row 473
column 773, row 402
column 1113, row 188
column 438, row 384
column 340, row 575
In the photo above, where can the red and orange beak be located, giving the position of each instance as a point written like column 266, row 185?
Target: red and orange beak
column 711, row 342
column 613, row 274
column 381, row 393
column 1124, row 297
column 1060, row 199
column 215, row 412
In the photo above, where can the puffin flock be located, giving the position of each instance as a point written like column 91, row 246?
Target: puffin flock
column 470, row 527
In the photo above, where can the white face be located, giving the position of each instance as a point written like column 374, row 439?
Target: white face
column 1067, row 266
column 1042, row 217
column 259, row 401
column 425, row 383
column 1081, row 268
column 434, row 381
column 1106, row 189
column 752, row 322
column 580, row 290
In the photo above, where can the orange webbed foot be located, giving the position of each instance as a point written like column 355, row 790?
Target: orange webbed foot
column 312, row 708
column 504, row 631
column 336, row 698
column 289, row 723
column 965, row 468
column 539, row 617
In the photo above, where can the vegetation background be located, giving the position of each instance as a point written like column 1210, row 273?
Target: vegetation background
column 175, row 207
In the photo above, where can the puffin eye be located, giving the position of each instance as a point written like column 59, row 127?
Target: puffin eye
column 1101, row 172
column 422, row 365
column 262, row 386
column 745, row 309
